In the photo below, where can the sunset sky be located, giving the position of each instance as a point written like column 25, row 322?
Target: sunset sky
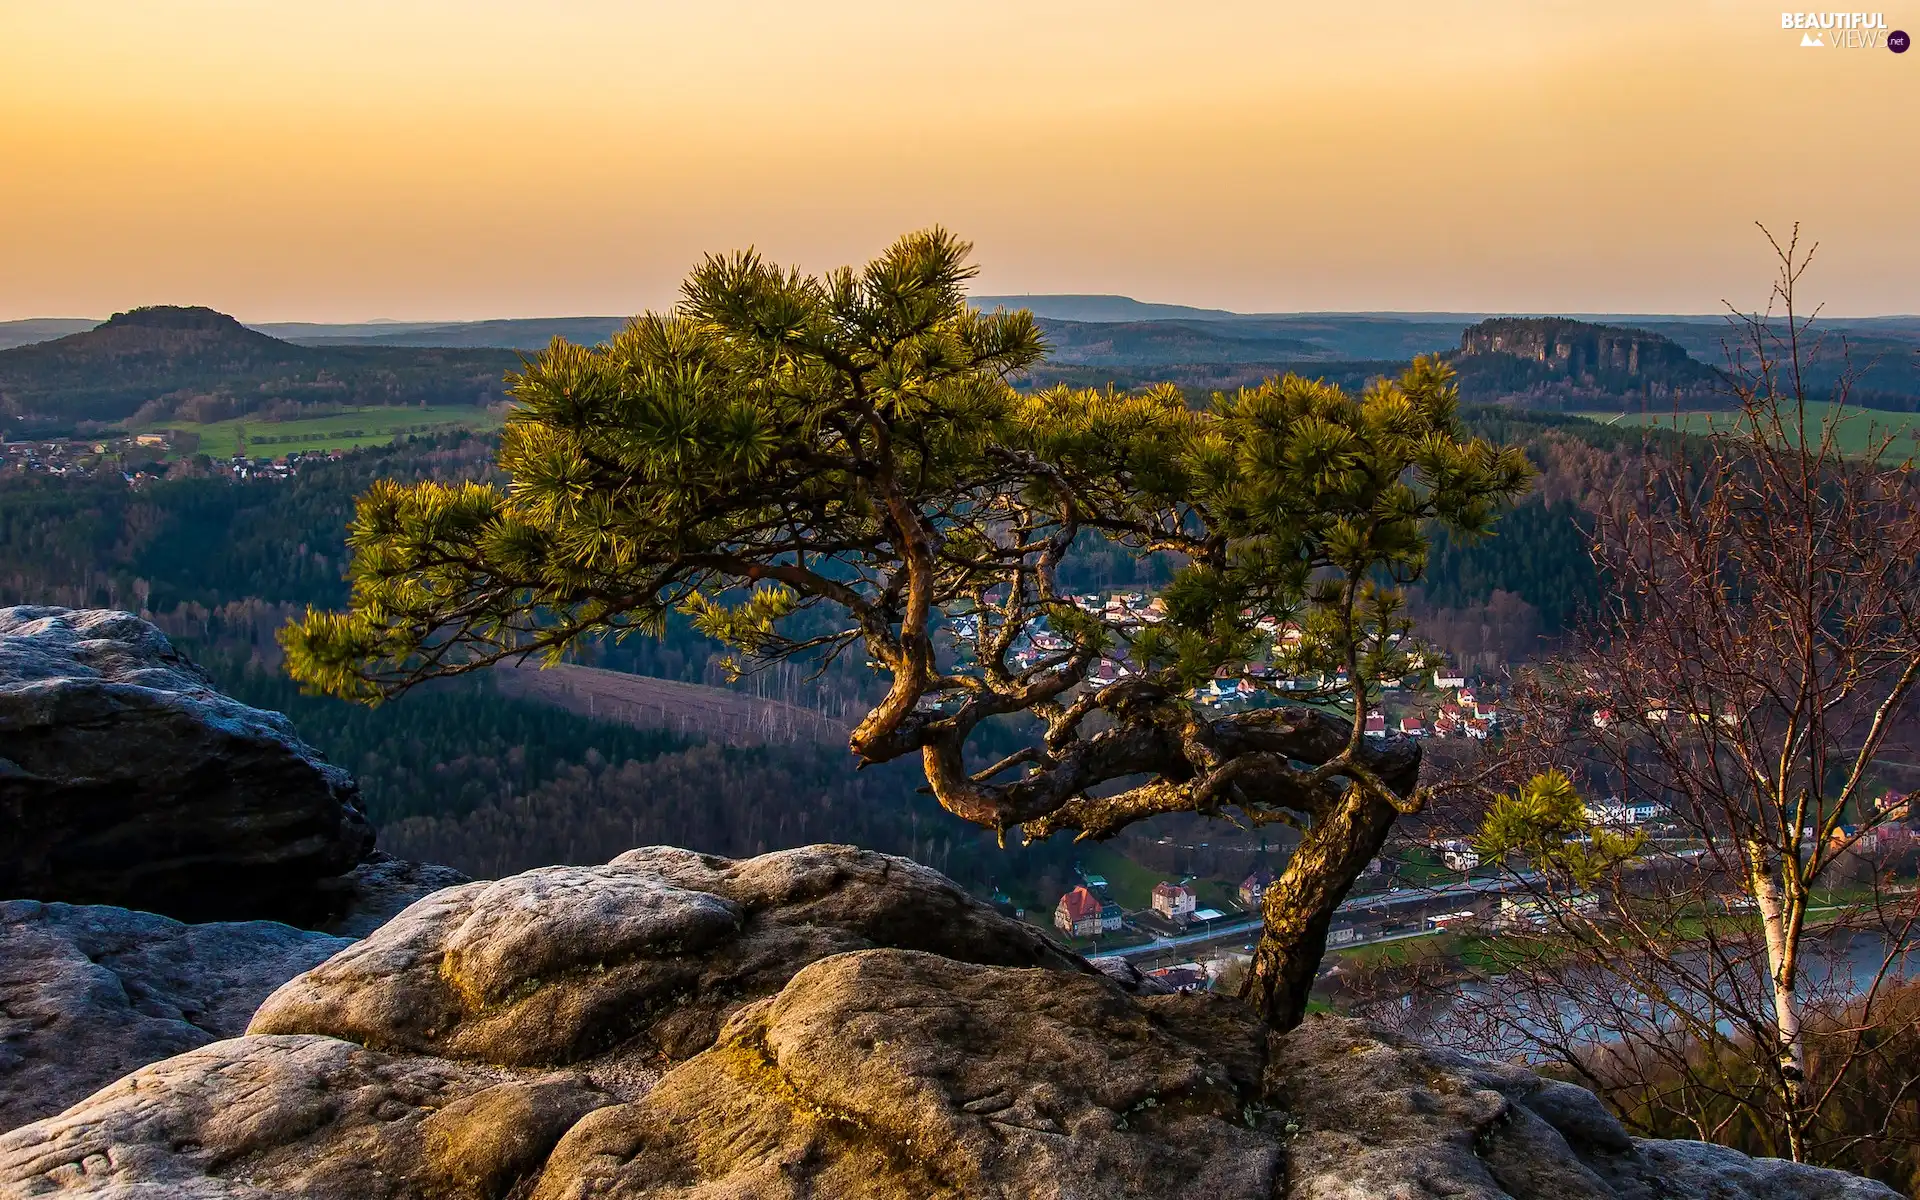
column 293, row 160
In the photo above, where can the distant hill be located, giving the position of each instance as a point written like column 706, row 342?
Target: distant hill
column 1095, row 308
column 529, row 333
column 1096, row 339
column 1557, row 362
column 40, row 329
column 1882, row 352
column 196, row 364
column 1136, row 343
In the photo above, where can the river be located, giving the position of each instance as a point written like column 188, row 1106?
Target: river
column 1513, row 1017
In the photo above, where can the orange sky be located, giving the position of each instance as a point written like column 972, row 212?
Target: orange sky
column 290, row 160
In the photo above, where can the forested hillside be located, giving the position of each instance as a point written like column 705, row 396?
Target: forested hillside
column 194, row 364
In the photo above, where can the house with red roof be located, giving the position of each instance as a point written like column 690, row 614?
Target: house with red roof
column 1078, row 913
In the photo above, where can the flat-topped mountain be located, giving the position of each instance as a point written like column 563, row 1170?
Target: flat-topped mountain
column 198, row 364
column 1583, row 349
column 1557, row 362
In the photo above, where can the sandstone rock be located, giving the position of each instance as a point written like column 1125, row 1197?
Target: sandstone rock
column 1703, row 1169
column 889, row 1073
column 561, row 964
column 295, row 1116
column 127, row 779
column 839, row 1069
column 378, row 890
column 89, row 993
column 1132, row 978
column 1373, row 1115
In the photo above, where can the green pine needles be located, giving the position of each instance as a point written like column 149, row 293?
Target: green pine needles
column 812, row 465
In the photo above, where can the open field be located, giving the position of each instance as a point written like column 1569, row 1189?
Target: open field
column 1857, row 425
column 647, row 703
column 341, row 431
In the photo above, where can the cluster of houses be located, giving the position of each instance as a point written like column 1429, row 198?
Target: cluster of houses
column 1125, row 609
column 1467, row 712
column 1086, row 911
column 242, row 467
column 91, row 457
column 1615, row 813
column 1890, row 831
column 1462, row 712
column 74, row 456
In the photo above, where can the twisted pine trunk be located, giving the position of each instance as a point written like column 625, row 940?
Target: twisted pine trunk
column 1298, row 907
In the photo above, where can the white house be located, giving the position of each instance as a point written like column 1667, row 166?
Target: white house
column 1176, row 902
column 1613, row 812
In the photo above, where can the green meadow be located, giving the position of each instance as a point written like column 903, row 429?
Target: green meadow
column 1858, row 427
column 339, row 431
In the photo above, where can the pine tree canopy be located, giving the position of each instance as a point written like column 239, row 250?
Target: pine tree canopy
column 845, row 455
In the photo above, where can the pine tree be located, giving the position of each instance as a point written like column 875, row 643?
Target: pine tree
column 817, row 466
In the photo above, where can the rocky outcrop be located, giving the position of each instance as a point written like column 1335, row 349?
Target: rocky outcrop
column 1374, row 1115
column 296, row 1116
column 1582, row 349
column 90, row 993
column 818, row 1023
column 1556, row 359
column 888, row 1073
column 127, row 779
column 650, row 953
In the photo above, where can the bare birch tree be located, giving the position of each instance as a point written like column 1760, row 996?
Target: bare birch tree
column 1753, row 671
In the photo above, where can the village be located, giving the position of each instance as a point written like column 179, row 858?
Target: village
column 140, row 458
column 1436, row 701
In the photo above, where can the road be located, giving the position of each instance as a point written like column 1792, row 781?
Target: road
column 1222, row 931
